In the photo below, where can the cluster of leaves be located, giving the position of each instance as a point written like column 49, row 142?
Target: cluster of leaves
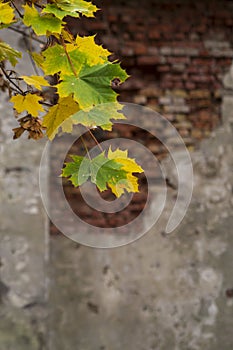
column 81, row 74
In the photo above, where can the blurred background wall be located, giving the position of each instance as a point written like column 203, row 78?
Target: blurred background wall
column 162, row 292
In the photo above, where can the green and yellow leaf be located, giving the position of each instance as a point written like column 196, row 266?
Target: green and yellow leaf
column 100, row 116
column 83, row 7
column 56, row 60
column 6, row 13
column 41, row 23
column 58, row 12
column 57, row 116
column 129, row 165
column 100, row 170
column 38, row 58
column 29, row 103
column 95, row 54
column 92, row 85
column 8, row 53
column 72, row 170
column 35, row 80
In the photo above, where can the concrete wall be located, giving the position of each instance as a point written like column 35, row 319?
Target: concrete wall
column 23, row 233
column 161, row 292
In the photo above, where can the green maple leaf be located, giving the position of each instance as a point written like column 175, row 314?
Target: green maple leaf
column 6, row 13
column 100, row 115
column 92, row 86
column 56, row 60
column 86, row 8
column 72, row 169
column 41, row 23
column 8, row 53
column 106, row 172
column 58, row 12
column 100, row 170
column 58, row 114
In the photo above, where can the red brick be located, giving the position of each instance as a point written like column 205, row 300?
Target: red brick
column 154, row 34
column 163, row 68
column 148, row 60
column 201, row 78
column 175, row 60
column 140, row 48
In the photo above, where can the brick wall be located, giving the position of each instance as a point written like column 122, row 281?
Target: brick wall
column 177, row 53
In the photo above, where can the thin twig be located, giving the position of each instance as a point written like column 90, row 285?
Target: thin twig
column 46, row 104
column 29, row 54
column 84, row 143
column 12, row 82
column 27, row 35
column 16, row 9
column 94, row 138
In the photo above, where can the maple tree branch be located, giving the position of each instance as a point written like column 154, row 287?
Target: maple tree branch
column 16, row 9
column 11, row 81
column 27, row 35
column 28, row 46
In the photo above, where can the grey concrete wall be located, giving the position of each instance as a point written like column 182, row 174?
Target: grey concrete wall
column 161, row 292
column 23, row 231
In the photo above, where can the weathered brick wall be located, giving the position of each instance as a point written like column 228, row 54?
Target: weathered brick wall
column 177, row 53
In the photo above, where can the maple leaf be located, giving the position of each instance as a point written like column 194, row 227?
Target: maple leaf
column 8, row 53
column 92, row 86
column 105, row 172
column 29, row 103
column 100, row 170
column 41, row 23
column 56, row 60
column 100, row 116
column 58, row 12
column 38, row 58
column 6, row 13
column 58, row 114
column 86, row 8
column 35, row 80
column 130, row 184
column 95, row 54
column 72, row 169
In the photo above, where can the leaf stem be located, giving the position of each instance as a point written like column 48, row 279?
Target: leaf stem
column 85, row 146
column 94, row 138
column 68, row 56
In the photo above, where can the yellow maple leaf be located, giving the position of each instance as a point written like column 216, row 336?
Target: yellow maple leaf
column 6, row 13
column 29, row 103
column 36, row 81
column 58, row 116
column 38, row 58
column 95, row 54
column 130, row 184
